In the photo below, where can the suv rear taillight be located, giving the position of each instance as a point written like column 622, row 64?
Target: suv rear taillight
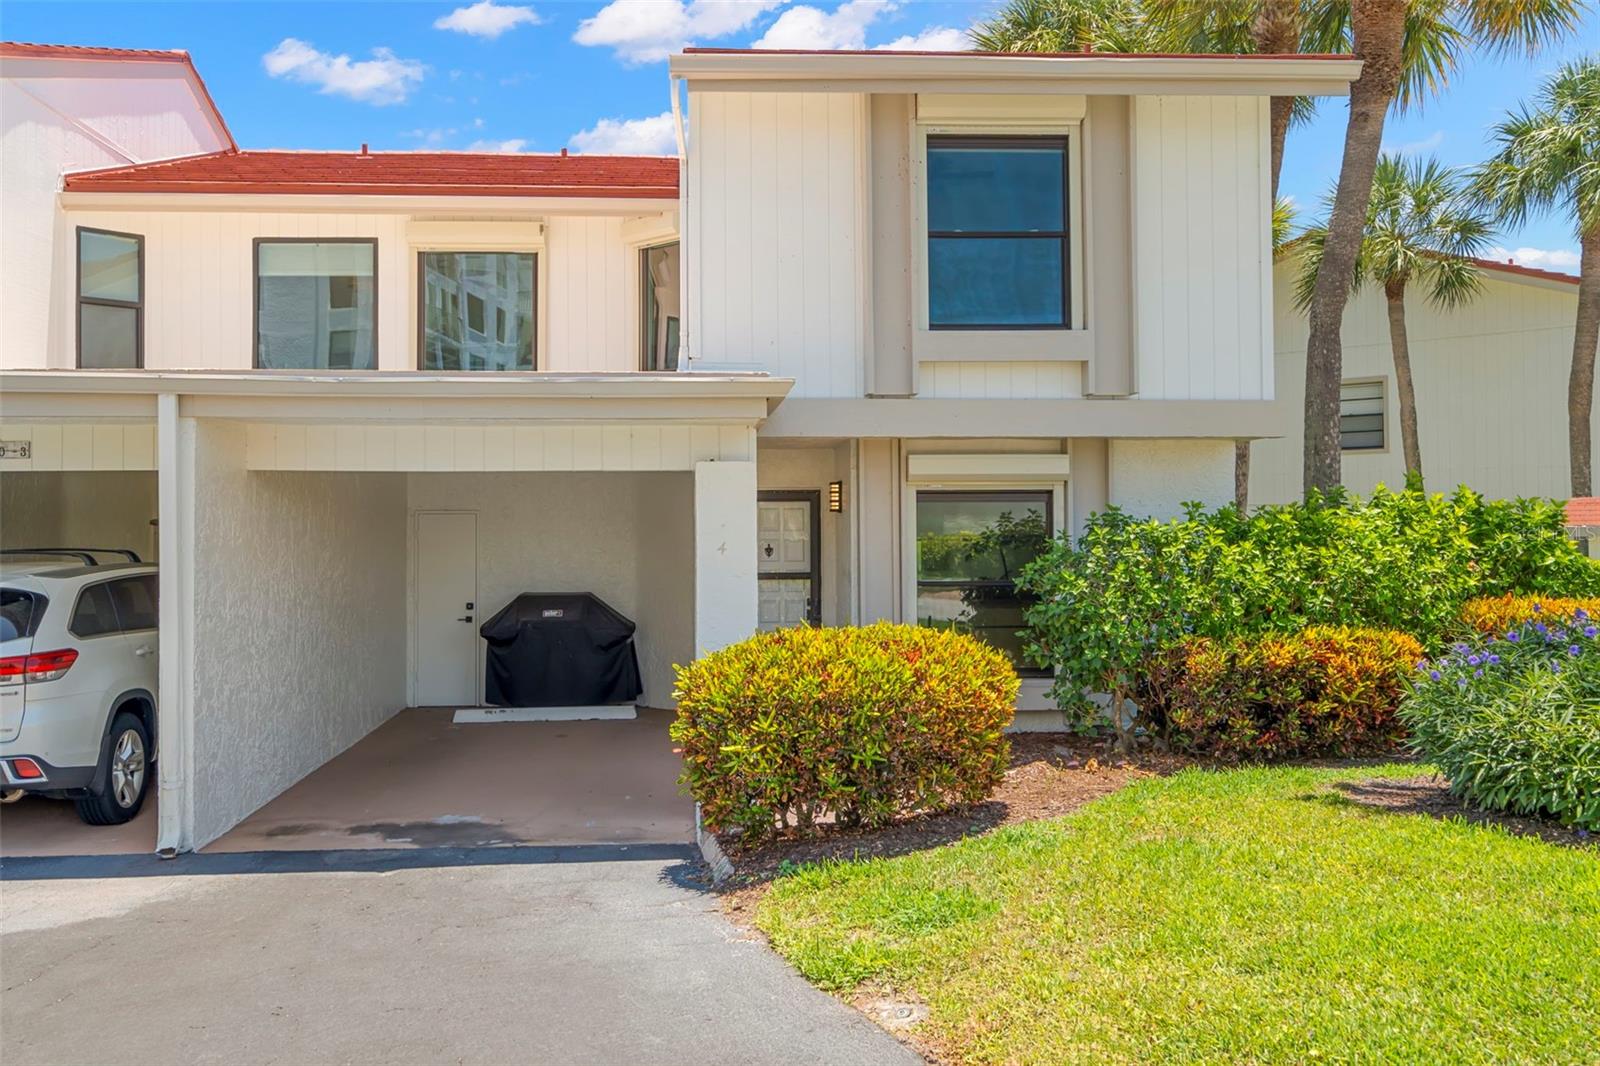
column 44, row 666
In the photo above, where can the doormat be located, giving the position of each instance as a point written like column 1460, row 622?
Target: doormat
column 606, row 712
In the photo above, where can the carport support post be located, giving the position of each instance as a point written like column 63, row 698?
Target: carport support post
column 175, row 443
column 725, row 607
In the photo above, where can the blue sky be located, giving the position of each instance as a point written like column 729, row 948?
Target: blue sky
column 495, row 74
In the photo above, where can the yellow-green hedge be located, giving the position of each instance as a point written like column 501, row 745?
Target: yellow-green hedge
column 1497, row 615
column 862, row 723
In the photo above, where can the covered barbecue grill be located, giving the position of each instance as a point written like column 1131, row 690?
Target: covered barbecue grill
column 561, row 649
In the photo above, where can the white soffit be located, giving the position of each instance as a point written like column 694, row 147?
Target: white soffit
column 956, row 468
column 999, row 109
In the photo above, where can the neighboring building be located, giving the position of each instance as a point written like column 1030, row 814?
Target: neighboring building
column 906, row 316
column 1490, row 379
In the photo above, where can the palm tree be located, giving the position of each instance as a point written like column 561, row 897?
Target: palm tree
column 1420, row 229
column 1549, row 159
column 1407, row 48
column 1067, row 26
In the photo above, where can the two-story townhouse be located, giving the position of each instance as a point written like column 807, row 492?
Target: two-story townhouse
column 906, row 316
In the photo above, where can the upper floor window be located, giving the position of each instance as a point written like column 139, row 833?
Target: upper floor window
column 110, row 299
column 316, row 304
column 478, row 310
column 997, row 232
column 1361, row 416
column 659, row 328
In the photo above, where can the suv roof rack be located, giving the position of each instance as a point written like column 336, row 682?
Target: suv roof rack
column 86, row 555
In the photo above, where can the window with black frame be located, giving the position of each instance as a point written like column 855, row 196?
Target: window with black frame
column 971, row 546
column 478, row 310
column 997, row 233
column 316, row 304
column 110, row 300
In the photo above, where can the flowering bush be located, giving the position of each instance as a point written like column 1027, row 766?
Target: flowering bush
column 1327, row 690
column 1514, row 721
column 862, row 723
column 1491, row 615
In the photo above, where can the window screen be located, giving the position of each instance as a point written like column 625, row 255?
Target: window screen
column 997, row 233
column 1361, row 415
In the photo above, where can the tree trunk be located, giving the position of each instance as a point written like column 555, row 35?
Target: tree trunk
column 1395, row 294
column 1281, row 108
column 1378, row 27
column 1580, row 385
column 1241, row 476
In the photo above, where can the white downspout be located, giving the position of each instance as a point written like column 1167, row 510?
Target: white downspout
column 687, row 257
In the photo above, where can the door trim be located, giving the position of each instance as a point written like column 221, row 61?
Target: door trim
column 414, row 604
column 813, row 497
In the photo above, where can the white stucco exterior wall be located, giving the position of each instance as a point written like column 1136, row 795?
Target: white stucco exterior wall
column 299, row 631
column 1155, row 478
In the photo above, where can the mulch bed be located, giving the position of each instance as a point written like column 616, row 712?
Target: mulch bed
column 1430, row 794
column 1050, row 774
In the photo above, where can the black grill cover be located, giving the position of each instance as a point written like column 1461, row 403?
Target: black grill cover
column 563, row 649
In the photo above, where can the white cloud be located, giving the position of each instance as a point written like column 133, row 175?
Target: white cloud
column 487, row 19
column 646, row 31
column 1428, row 144
column 505, row 147
column 634, row 136
column 432, row 138
column 1562, row 259
column 845, row 27
column 383, row 79
column 932, row 39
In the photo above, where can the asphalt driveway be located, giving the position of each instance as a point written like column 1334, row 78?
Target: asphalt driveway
column 586, row 955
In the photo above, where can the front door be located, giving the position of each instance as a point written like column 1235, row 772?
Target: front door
column 788, row 549
column 447, row 602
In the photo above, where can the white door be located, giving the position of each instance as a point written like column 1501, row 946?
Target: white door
column 785, row 560
column 447, row 614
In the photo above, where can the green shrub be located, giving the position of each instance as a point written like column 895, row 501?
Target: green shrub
column 864, row 723
column 1110, row 606
column 1514, row 723
column 1323, row 691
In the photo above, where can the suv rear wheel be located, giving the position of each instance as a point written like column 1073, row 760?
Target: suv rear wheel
column 124, row 777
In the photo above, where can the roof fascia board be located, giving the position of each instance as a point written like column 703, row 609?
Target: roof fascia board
column 369, row 203
column 1060, row 85
column 1308, row 76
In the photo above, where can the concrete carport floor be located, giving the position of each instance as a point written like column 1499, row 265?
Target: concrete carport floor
column 420, row 781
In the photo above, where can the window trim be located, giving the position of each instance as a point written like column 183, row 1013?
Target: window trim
column 1064, row 237
column 255, row 299
column 100, row 301
column 1054, row 493
column 1383, row 383
column 422, row 303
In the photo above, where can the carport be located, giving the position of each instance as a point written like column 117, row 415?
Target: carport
column 77, row 471
column 303, row 516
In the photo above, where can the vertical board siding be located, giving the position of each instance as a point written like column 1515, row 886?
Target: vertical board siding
column 1001, row 381
column 200, row 287
column 775, row 235
column 1491, row 382
column 81, row 446
column 1202, row 248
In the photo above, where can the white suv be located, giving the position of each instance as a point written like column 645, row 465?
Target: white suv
column 78, row 668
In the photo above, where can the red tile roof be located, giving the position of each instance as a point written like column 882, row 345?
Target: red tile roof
column 393, row 174
column 24, row 50
column 1527, row 272
column 1583, row 511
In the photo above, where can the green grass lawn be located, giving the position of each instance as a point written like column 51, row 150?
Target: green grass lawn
column 1247, row 915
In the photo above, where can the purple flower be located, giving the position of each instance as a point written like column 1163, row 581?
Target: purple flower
column 1462, row 648
column 1537, row 607
column 1555, row 667
column 1513, row 636
column 1433, row 675
column 1461, row 682
column 1473, row 660
column 1493, row 660
column 1541, row 629
column 1590, row 631
column 1478, row 672
column 1580, row 615
column 1573, row 649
